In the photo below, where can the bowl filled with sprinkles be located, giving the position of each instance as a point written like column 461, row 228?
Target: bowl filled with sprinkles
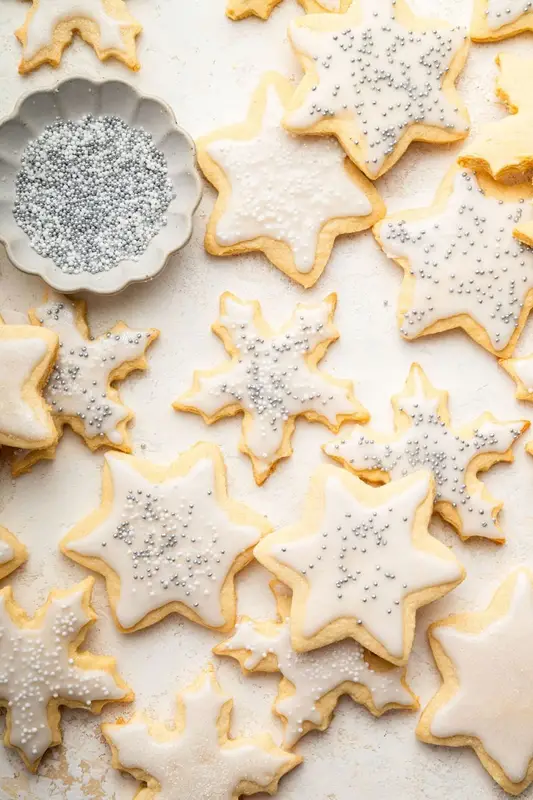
column 98, row 186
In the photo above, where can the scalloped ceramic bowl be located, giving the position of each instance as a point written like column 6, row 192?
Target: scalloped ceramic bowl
column 71, row 100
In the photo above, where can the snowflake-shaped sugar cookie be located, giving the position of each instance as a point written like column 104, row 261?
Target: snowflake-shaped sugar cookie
column 81, row 389
column 50, row 26
column 312, row 683
column 285, row 195
column 41, row 669
column 168, row 539
column 197, row 758
column 463, row 267
column 360, row 562
column 378, row 78
column 494, row 20
column 240, row 9
column 485, row 702
column 272, row 378
column 424, row 439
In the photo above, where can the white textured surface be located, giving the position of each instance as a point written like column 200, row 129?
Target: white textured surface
column 207, row 67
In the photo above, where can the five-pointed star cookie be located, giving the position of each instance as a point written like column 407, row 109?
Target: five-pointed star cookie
column 26, row 358
column 360, row 562
column 81, row 388
column 50, row 26
column 12, row 553
column 494, row 20
column 272, row 378
column 504, row 148
column 463, row 267
column 168, row 539
column 239, row 9
column 197, row 759
column 312, row 683
column 41, row 669
column 485, row 701
column 285, row 195
column 424, row 439
column 378, row 78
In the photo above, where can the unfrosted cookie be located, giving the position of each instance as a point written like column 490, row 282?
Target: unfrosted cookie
column 50, row 25
column 425, row 439
column 285, row 195
column 504, row 148
column 360, row 562
column 311, row 684
column 81, row 389
column 168, row 539
column 26, row 358
column 463, row 267
column 239, row 9
column 272, row 378
column 485, row 702
column 43, row 670
column 378, row 78
column 499, row 19
column 197, row 759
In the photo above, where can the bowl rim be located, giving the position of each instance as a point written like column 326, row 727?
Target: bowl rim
column 84, row 283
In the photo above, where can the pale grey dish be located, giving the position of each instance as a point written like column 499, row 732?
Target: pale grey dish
column 71, row 100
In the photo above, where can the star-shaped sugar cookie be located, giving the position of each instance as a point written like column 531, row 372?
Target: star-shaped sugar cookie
column 463, row 267
column 272, row 378
column 50, row 26
column 168, row 539
column 494, row 20
column 485, row 702
column 285, row 195
column 81, row 389
column 26, row 358
column 42, row 669
column 425, row 439
column 378, row 78
column 239, row 9
column 360, row 562
column 12, row 553
column 312, row 683
column 197, row 758
column 504, row 148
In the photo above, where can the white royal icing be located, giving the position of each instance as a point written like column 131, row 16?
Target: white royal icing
column 362, row 563
column 169, row 541
column 493, row 700
column 197, row 763
column 524, row 370
column 6, row 552
column 378, row 77
column 78, row 385
column 314, row 674
column 19, row 357
column 36, row 667
column 271, row 379
column 284, row 187
column 50, row 13
column 465, row 260
column 429, row 443
column 503, row 12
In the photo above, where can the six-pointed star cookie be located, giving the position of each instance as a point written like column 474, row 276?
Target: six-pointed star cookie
column 26, row 358
column 424, row 439
column 360, row 562
column 272, row 378
column 81, row 389
column 499, row 19
column 239, row 9
column 285, row 195
column 43, row 670
column 50, row 25
column 312, row 683
column 485, row 701
column 504, row 148
column 197, row 759
column 168, row 539
column 463, row 267
column 378, row 78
